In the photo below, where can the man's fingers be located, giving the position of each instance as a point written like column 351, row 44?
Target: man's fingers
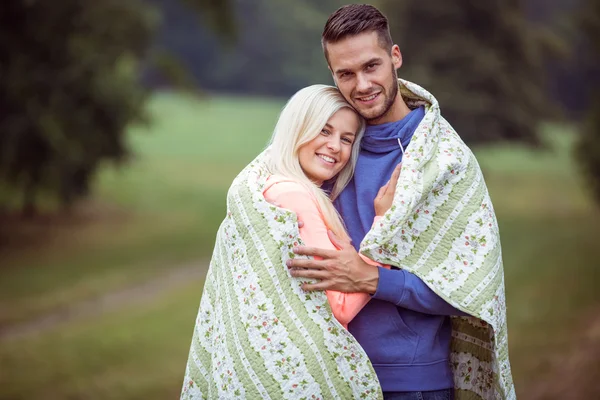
column 394, row 180
column 314, row 251
column 304, row 263
column 381, row 191
column 396, row 173
column 310, row 287
column 392, row 189
column 308, row 274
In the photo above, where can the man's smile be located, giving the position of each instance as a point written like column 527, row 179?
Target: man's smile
column 368, row 99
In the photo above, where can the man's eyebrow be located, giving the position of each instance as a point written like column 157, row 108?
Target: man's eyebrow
column 341, row 71
column 345, row 133
column 371, row 61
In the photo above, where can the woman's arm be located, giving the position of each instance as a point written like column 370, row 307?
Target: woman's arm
column 296, row 198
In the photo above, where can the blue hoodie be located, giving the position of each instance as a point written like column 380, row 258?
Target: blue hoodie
column 404, row 329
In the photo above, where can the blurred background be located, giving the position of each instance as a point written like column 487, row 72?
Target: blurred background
column 123, row 123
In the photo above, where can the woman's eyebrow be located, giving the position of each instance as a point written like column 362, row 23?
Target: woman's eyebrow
column 327, row 125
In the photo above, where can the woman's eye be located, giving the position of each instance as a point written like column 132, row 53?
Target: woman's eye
column 325, row 132
column 349, row 141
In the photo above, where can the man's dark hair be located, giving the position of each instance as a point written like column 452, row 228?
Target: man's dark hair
column 354, row 19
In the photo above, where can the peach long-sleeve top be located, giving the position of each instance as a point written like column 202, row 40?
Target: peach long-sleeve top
column 295, row 197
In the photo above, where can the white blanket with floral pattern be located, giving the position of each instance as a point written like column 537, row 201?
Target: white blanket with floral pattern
column 442, row 227
column 258, row 335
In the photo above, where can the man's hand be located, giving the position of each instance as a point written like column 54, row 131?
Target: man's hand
column 385, row 196
column 342, row 270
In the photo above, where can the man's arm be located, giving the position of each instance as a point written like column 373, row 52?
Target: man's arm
column 345, row 271
column 408, row 291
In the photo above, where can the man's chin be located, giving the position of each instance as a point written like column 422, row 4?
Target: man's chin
column 371, row 114
column 368, row 110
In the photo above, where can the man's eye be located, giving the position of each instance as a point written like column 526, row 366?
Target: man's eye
column 371, row 66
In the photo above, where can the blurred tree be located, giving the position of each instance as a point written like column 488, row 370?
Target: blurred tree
column 277, row 56
column 277, row 52
column 482, row 60
column 191, row 23
column 568, row 74
column 588, row 148
column 218, row 14
column 69, row 87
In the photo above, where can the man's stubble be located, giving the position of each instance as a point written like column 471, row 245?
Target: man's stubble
column 392, row 90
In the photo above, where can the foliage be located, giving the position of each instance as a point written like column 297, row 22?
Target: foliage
column 278, row 49
column 588, row 149
column 589, row 146
column 482, row 60
column 69, row 87
column 68, row 91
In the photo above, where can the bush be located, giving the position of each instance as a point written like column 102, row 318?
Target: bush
column 68, row 90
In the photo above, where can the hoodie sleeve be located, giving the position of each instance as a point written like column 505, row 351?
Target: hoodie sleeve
column 407, row 290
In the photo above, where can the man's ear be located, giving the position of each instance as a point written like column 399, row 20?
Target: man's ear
column 396, row 56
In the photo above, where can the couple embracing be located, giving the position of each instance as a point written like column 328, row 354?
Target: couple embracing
column 360, row 255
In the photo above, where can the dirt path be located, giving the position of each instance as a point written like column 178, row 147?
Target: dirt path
column 135, row 294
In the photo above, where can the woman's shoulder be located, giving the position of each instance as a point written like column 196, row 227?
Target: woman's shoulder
column 277, row 184
column 287, row 192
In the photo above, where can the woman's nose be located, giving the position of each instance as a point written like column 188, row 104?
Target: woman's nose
column 333, row 145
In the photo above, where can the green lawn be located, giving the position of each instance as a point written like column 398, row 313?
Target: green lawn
column 163, row 210
column 134, row 353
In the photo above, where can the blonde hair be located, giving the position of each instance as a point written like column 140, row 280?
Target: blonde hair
column 302, row 120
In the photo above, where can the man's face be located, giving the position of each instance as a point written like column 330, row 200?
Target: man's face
column 365, row 74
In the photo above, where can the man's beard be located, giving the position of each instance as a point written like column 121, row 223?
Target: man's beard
column 389, row 101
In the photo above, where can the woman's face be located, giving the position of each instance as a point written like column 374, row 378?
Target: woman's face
column 326, row 155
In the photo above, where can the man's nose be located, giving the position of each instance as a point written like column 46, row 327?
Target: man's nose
column 363, row 85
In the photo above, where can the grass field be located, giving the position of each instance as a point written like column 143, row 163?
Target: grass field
column 162, row 211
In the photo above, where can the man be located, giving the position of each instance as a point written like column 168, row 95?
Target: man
column 405, row 329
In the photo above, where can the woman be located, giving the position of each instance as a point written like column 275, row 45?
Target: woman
column 321, row 147
column 258, row 335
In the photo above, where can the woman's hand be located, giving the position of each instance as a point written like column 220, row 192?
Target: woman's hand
column 385, row 196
